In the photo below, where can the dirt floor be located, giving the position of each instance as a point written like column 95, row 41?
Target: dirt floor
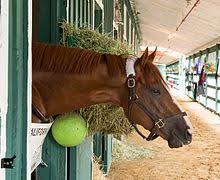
column 199, row 160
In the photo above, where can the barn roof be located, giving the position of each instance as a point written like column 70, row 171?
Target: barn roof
column 160, row 18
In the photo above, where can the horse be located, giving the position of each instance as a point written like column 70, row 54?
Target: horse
column 66, row 79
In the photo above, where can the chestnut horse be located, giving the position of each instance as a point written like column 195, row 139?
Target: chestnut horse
column 66, row 79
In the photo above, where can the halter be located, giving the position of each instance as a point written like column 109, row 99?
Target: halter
column 133, row 99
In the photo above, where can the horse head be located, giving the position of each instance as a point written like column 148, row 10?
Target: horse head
column 150, row 104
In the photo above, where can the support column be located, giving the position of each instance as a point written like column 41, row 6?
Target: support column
column 108, row 16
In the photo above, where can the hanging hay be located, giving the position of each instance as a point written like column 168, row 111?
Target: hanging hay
column 122, row 150
column 105, row 118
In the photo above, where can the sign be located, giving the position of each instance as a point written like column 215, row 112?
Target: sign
column 38, row 133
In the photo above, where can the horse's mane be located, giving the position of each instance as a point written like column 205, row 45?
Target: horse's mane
column 55, row 58
column 61, row 59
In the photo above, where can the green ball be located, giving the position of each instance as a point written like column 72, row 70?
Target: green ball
column 69, row 130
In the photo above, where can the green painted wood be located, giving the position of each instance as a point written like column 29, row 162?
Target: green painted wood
column 127, row 27
column 72, row 11
column 162, row 69
column 108, row 16
column 107, row 153
column 91, row 13
column 85, row 13
column 80, row 7
column 54, row 156
column 131, row 36
column 206, row 84
column 77, row 13
column 211, row 49
column 16, row 126
column 98, row 24
column 97, row 145
column 133, row 21
column 121, row 27
column 80, row 161
column 188, row 77
column 216, row 79
column 51, row 12
column 182, row 74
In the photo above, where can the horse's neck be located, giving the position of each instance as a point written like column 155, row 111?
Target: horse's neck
column 60, row 93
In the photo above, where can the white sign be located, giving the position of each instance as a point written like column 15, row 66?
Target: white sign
column 38, row 133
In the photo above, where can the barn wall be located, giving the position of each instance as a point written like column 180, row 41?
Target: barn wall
column 211, row 99
column 15, row 99
column 4, row 78
column 187, row 80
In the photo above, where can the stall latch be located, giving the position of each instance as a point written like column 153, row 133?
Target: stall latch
column 8, row 162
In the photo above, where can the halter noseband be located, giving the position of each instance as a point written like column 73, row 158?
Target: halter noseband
column 133, row 99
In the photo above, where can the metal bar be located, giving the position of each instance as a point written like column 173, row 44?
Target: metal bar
column 108, row 17
column 206, row 84
column 211, row 49
column 213, row 87
column 216, row 79
column 184, row 19
column 76, row 13
column 189, row 71
column 131, row 13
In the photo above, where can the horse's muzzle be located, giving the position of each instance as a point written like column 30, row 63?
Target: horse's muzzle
column 178, row 140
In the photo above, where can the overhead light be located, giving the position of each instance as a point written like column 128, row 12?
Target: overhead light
column 171, row 35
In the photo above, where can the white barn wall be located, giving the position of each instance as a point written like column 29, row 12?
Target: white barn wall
column 4, row 79
column 29, row 89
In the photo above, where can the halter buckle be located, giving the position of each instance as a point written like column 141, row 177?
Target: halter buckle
column 160, row 123
column 131, row 82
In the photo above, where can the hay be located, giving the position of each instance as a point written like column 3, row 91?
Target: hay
column 97, row 173
column 123, row 151
column 104, row 118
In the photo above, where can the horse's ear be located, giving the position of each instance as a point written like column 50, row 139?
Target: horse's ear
column 152, row 55
column 144, row 55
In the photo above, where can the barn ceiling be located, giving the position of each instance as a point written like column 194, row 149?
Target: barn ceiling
column 160, row 18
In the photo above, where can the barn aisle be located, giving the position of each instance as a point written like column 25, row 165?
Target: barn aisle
column 199, row 160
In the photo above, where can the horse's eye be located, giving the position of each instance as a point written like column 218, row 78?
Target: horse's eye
column 156, row 92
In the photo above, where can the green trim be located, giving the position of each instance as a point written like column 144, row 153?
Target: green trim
column 107, row 153
column 203, row 52
column 77, row 13
column 97, row 145
column 50, row 15
column 80, row 161
column 72, row 12
column 216, row 79
column 54, row 156
column 16, row 127
column 131, row 14
column 206, row 84
column 98, row 18
column 127, row 27
column 108, row 16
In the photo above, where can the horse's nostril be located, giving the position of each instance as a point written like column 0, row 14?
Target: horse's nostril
column 188, row 135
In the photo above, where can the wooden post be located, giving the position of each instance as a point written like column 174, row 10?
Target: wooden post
column 108, row 17
column 17, row 112
column 216, row 78
column 80, row 160
column 206, row 84
column 50, row 14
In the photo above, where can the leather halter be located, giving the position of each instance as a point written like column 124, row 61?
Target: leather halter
column 37, row 113
column 158, row 122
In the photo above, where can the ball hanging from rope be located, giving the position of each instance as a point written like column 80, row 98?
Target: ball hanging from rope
column 69, row 130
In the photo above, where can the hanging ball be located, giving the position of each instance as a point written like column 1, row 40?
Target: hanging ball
column 69, row 130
